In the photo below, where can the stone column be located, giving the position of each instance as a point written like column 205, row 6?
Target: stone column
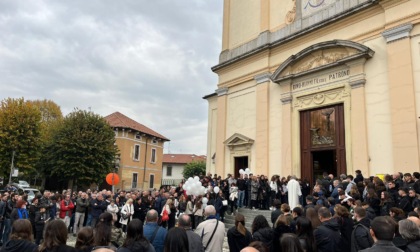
column 226, row 21
column 402, row 99
column 265, row 15
column 221, row 130
column 360, row 153
column 262, row 123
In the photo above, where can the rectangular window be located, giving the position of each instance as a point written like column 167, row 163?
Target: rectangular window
column 136, row 155
column 154, row 141
column 153, row 157
column 134, row 181
column 137, row 136
column 151, row 180
column 169, row 171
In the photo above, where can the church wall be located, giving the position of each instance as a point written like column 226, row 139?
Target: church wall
column 241, row 118
column 378, row 115
column 244, row 21
column 415, row 47
column 211, row 134
column 275, row 129
column 278, row 11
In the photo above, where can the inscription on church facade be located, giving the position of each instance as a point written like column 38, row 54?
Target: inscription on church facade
column 324, row 79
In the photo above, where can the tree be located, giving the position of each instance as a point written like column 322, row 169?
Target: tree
column 19, row 133
column 82, row 148
column 51, row 119
column 195, row 168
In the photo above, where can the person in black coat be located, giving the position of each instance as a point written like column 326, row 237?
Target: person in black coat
column 342, row 217
column 261, row 231
column 405, row 202
column 41, row 218
column 327, row 235
column 282, row 226
column 238, row 236
column 360, row 237
column 277, row 212
column 55, row 238
column 410, row 232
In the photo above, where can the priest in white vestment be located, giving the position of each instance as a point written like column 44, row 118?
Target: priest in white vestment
column 293, row 189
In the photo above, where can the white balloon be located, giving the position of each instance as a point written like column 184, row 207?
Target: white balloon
column 199, row 184
column 216, row 189
column 196, row 178
column 247, row 171
column 190, row 179
column 188, row 188
column 184, row 186
column 205, row 200
column 241, row 171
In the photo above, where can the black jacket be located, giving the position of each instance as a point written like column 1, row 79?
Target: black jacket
column 19, row 246
column 275, row 214
column 265, row 235
column 236, row 240
column 278, row 232
column 413, row 246
column 405, row 204
column 346, row 228
column 327, row 237
column 360, row 237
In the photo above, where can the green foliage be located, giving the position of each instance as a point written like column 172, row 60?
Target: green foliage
column 195, row 168
column 19, row 132
column 82, row 148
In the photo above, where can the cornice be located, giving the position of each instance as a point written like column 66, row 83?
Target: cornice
column 397, row 33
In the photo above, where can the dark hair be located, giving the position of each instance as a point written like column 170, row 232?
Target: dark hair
column 304, row 230
column 324, row 212
column 383, row 227
column 176, row 240
column 103, row 229
column 21, row 230
column 84, row 238
column 298, row 211
column 312, row 216
column 259, row 222
column 259, row 245
column 290, row 243
column 55, row 234
column 134, row 234
column 276, row 203
column 360, row 211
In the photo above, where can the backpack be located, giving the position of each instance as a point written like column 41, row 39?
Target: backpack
column 354, row 247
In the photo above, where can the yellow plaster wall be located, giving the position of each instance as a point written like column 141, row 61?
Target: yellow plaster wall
column 275, row 128
column 244, row 21
column 415, row 46
column 378, row 116
column 211, row 134
column 278, row 11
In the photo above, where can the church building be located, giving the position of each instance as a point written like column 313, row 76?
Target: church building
column 307, row 86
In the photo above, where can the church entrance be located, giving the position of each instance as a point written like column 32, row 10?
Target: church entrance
column 240, row 163
column 322, row 141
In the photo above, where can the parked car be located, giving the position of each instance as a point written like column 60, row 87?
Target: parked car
column 31, row 192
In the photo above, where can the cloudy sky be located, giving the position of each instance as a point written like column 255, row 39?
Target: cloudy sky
column 148, row 59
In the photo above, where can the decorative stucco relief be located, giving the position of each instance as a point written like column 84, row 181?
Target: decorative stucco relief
column 321, row 58
column 291, row 15
column 317, row 99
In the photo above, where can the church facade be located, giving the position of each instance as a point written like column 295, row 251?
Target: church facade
column 307, row 86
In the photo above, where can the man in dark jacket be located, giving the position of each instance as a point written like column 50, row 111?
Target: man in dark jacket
column 327, row 235
column 360, row 237
column 405, row 202
column 82, row 204
column 277, row 212
column 98, row 206
column 382, row 231
column 194, row 240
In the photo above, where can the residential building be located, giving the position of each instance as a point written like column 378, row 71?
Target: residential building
column 174, row 164
column 309, row 86
column 141, row 153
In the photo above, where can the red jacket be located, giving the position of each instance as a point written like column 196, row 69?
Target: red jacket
column 64, row 208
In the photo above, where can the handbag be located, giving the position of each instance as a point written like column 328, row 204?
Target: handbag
column 165, row 215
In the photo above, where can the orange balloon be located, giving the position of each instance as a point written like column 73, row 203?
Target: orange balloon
column 112, row 178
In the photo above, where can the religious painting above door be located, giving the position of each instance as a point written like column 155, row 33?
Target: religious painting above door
column 323, row 127
column 309, row 7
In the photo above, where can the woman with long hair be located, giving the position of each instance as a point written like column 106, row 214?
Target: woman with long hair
column 189, row 209
column 312, row 216
column 238, row 236
column 135, row 240
column 373, row 200
column 198, row 211
column 103, row 233
column 290, row 243
column 261, row 231
column 304, row 233
column 386, row 203
column 273, row 190
column 255, row 185
column 20, row 238
column 20, row 212
column 396, row 214
column 172, row 213
column 342, row 217
column 282, row 226
column 85, row 239
column 55, row 238
column 127, row 211
column 176, row 240
column 233, row 196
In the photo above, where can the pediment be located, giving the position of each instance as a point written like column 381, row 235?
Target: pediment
column 320, row 56
column 238, row 140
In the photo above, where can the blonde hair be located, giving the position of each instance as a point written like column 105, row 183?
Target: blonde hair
column 240, row 224
column 130, row 200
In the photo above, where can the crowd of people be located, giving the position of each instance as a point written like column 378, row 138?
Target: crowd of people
column 343, row 213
